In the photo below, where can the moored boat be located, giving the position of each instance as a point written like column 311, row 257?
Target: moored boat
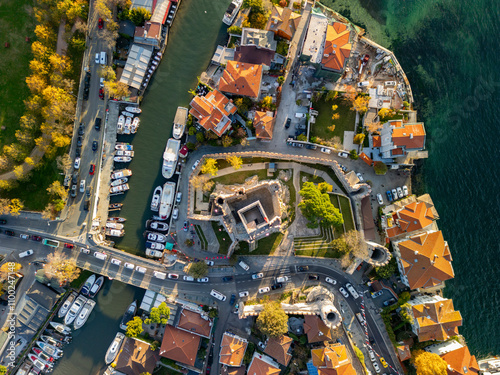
column 129, row 314
column 135, row 125
column 51, row 341
column 66, row 305
column 153, row 236
column 123, row 146
column 63, row 339
column 122, row 159
column 157, row 225
column 88, row 284
column 43, row 356
column 61, row 328
column 167, row 197
column 96, row 287
column 115, row 206
column 231, row 12
column 180, row 121
column 115, row 232
column 39, row 363
column 85, row 313
column 75, row 309
column 119, row 188
column 127, row 114
column 114, row 225
column 125, row 153
column 155, row 245
column 114, row 348
column 117, row 219
column 170, row 156
column 50, row 349
column 120, row 181
column 120, row 124
column 155, row 202
column 133, row 109
column 121, row 173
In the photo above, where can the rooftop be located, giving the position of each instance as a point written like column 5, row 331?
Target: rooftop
column 332, row 360
column 195, row 323
column 232, row 350
column 135, row 357
column 242, row 79
column 315, row 329
column 461, row 362
column 180, row 345
column 253, row 55
column 136, row 66
column 278, row 347
column 337, row 47
column 263, row 365
column 283, row 22
column 263, row 123
column 413, row 217
column 315, row 39
column 258, row 38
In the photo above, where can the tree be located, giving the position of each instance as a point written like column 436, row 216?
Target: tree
column 134, row 327
column 227, row 141
column 380, row 168
column 386, row 271
column 200, row 137
column 116, row 89
column 244, row 142
column 198, row 269
column 60, row 268
column 340, row 246
column 45, row 34
column 64, row 162
column 280, row 80
column 208, row 186
column 235, row 161
column 139, row 15
column 404, row 313
column 60, row 63
column 302, row 137
column 56, row 188
column 40, row 51
column 107, row 73
column 385, row 113
column 159, row 315
column 4, row 206
column 272, row 320
column 428, row 363
column 359, row 138
column 360, row 104
column 332, row 127
column 373, row 127
column 15, row 206
column 241, row 104
column 234, row 30
column 317, row 207
column 267, row 102
column 8, row 268
column 353, row 155
column 356, row 243
column 325, row 187
column 48, row 211
column 36, row 83
column 191, row 130
column 210, row 167
column 199, row 181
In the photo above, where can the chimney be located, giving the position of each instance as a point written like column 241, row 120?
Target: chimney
column 411, row 135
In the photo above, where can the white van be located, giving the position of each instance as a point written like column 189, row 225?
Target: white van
column 243, row 265
column 300, row 115
column 140, row 269
column 353, row 291
column 364, row 84
column 390, row 83
column 218, row 295
column 100, row 256
column 160, row 275
column 104, row 58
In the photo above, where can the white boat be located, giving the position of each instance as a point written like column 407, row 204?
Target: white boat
column 133, row 109
column 121, row 173
column 96, row 287
column 39, row 363
column 124, row 153
column 85, row 313
column 119, row 189
column 489, row 366
column 122, row 159
column 155, row 245
column 123, row 146
column 129, row 314
column 155, row 202
column 115, row 232
column 66, row 305
column 157, row 225
column 167, row 197
column 153, row 236
column 88, row 284
column 114, row 225
column 127, row 114
column 120, row 181
column 51, row 341
column 170, row 156
column 75, row 310
column 180, row 121
column 120, row 124
column 231, row 12
column 50, row 349
column 117, row 219
column 114, row 348
column 135, row 125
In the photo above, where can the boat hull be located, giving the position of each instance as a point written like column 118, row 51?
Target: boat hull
column 170, row 157
column 129, row 314
column 114, row 348
column 167, row 199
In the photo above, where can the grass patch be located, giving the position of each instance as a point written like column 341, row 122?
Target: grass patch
column 265, row 246
column 324, row 120
column 222, row 237
column 310, row 178
column 240, row 177
column 201, row 236
column 330, row 173
column 345, row 207
column 78, row 282
column 291, row 203
column 16, row 23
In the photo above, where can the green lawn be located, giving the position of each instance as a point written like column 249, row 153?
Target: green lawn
column 324, row 120
column 201, row 236
column 265, row 246
column 222, row 237
column 345, row 207
column 310, row 178
column 16, row 23
column 330, row 173
column 240, row 177
column 77, row 283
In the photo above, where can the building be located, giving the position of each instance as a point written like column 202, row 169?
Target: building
column 332, row 360
column 434, row 318
column 263, row 365
column 263, row 123
column 136, row 66
column 38, row 302
column 255, row 55
column 232, row 350
column 261, row 39
column 424, row 260
column 222, row 55
column 337, row 47
column 315, row 38
column 457, row 356
column 315, row 329
column 279, row 349
column 193, row 322
column 136, row 357
column 400, row 141
column 149, row 34
column 213, row 111
column 412, row 218
column 241, row 79
column 283, row 22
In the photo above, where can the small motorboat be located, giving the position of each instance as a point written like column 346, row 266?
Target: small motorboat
column 129, row 314
column 122, row 159
column 96, row 287
column 157, row 225
column 121, row 173
column 115, row 206
column 88, row 284
column 66, row 305
column 120, row 124
column 125, row 153
column 133, row 109
column 135, row 125
column 119, row 188
column 114, row 348
column 61, row 328
column 152, row 236
column 120, row 181
column 63, row 339
column 115, row 232
column 50, row 349
column 39, row 363
column 85, row 313
column 51, row 341
column 75, row 309
column 128, row 114
column 155, row 202
column 123, row 146
column 117, row 219
column 43, row 356
column 114, row 225
column 155, row 245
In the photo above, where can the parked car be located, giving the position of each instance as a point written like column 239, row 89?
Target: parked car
column 100, row 23
column 92, row 169
column 325, row 150
column 81, row 131
column 78, row 152
column 405, row 190
column 36, row 238
column 379, row 199
column 282, row 279
column 84, row 250
column 116, row 262
column 343, row 154
column 400, row 192
column 178, row 198
column 10, row 233
column 195, row 164
column 69, row 246
column 202, row 280
column 390, row 302
column 97, row 124
column 188, row 278
column 227, row 279
column 300, row 127
column 79, row 141
column 264, row 290
column 175, row 214
column 26, row 253
column 173, row 276
column 389, row 195
column 360, row 176
column 210, row 263
column 395, row 194
column 377, row 294
column 330, row 280
column 97, row 58
column 344, row 292
column 376, row 367
column 3, row 222
column 82, row 186
column 303, row 268
column 313, row 277
column 73, row 191
column 94, row 146
column 77, row 163
column 288, row 123
column 244, row 294
column 232, row 300
column 259, row 275
column 74, row 178
column 311, row 147
column 384, row 363
column 277, row 286
column 185, row 226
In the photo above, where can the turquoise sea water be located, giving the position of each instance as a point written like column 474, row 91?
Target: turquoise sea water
column 449, row 50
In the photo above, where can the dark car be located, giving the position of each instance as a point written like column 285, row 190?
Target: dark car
column 227, row 279
column 390, row 302
column 74, row 179
column 36, row 238
column 311, row 147
column 100, row 23
column 303, row 268
column 86, row 205
column 79, row 141
column 3, row 222
column 98, row 123
column 277, row 286
column 81, row 130
column 288, row 123
column 73, row 191
column 313, row 277
column 92, row 169
column 87, row 78
column 86, row 93
column 94, row 146
column 78, row 152
column 101, row 93
column 233, row 299
column 10, row 233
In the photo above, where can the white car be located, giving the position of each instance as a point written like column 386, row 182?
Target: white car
column 376, row 367
column 202, row 280
column 372, row 356
column 380, row 200
column 377, row 294
column 343, row 154
column 130, row 266
column 101, row 82
column 141, row 269
column 84, row 250
column 344, row 292
column 188, row 278
column 259, row 275
column 178, row 197
column 26, row 253
column 97, row 59
column 330, row 280
column 24, row 236
column 282, row 279
column 400, row 192
column 394, row 194
column 173, row 276
column 116, row 262
column 175, row 214
column 77, row 163
column 196, row 164
column 82, row 186
column 325, row 150
column 360, row 176
column 210, row 262
column 264, row 290
column 405, row 190
column 243, row 294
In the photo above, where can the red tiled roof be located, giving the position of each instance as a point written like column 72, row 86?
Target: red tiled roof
column 136, row 357
column 193, row 322
column 403, row 352
column 366, row 159
column 283, row 22
column 412, row 217
column 260, row 367
column 337, row 47
column 180, row 345
column 277, row 347
column 263, row 123
column 332, row 360
column 241, row 79
column 377, row 141
column 315, row 329
column 461, row 362
column 436, row 320
column 410, row 136
column 232, row 350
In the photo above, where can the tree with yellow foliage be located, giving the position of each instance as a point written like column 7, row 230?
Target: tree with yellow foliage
column 198, row 181
column 334, row 107
column 360, row 104
column 235, row 161
column 210, row 167
column 385, row 113
column 60, row 63
column 60, row 268
column 57, row 189
column 428, row 363
column 335, row 116
column 332, row 128
column 267, row 102
column 15, row 206
column 39, row 67
column 4, row 206
column 116, row 89
column 45, row 34
column 107, row 73
column 8, row 268
column 36, row 83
